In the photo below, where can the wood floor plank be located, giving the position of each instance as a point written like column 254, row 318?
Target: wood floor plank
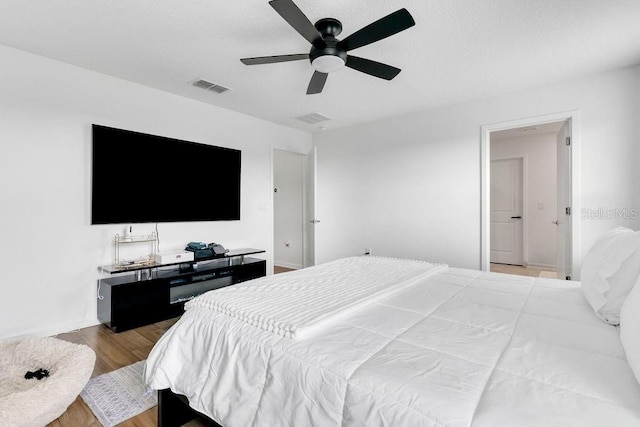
column 77, row 414
column 136, row 342
column 146, row 419
column 166, row 324
column 110, row 348
column 154, row 331
column 113, row 351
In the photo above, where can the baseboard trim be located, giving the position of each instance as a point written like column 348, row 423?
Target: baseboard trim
column 52, row 330
column 543, row 266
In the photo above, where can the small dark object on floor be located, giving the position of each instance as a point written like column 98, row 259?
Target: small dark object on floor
column 39, row 374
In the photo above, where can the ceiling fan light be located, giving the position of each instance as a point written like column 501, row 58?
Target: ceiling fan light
column 328, row 63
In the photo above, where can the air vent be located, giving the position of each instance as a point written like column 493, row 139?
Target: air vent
column 313, row 118
column 204, row 84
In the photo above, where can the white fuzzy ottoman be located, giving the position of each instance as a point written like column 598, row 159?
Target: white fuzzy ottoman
column 33, row 402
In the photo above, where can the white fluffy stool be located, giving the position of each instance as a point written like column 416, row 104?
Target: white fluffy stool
column 37, row 402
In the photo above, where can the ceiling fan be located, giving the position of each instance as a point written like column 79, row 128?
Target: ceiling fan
column 329, row 54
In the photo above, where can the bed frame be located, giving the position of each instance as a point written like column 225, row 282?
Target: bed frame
column 174, row 411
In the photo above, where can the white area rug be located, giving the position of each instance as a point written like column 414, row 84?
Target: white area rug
column 118, row 395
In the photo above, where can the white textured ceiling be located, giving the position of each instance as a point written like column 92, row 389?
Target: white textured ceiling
column 457, row 51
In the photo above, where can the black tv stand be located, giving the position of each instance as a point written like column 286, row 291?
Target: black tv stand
column 141, row 295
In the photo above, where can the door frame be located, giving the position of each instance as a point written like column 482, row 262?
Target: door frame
column 525, row 212
column 485, row 171
column 272, row 253
column 310, row 181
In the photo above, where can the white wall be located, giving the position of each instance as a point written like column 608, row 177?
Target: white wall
column 288, row 209
column 410, row 186
column 49, row 252
column 539, row 152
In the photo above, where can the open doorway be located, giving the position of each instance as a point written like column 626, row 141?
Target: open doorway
column 524, row 200
column 527, row 197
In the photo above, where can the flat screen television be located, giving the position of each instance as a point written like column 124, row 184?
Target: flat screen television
column 142, row 178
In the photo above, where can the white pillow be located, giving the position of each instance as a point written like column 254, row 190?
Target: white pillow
column 630, row 329
column 609, row 271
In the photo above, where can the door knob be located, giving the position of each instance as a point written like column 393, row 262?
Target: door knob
column 314, row 221
column 555, row 222
column 516, row 217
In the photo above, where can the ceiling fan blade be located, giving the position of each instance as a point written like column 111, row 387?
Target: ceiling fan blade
column 382, row 28
column 274, row 59
column 317, row 82
column 294, row 16
column 376, row 69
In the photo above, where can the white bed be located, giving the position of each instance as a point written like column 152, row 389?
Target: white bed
column 441, row 347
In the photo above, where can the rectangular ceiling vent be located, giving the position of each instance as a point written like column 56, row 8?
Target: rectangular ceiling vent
column 313, row 118
column 204, row 84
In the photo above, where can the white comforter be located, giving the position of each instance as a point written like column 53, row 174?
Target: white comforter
column 457, row 348
column 302, row 301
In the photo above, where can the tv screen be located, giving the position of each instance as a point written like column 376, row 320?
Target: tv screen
column 137, row 177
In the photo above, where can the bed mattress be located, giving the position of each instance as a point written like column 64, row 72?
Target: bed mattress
column 459, row 347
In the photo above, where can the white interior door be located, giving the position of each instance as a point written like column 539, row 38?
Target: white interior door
column 310, row 258
column 506, row 211
column 288, row 208
column 564, row 202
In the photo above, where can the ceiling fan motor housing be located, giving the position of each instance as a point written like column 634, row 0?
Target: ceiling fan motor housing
column 331, row 49
column 325, row 56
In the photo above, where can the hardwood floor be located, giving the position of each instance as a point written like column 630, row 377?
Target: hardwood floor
column 277, row 269
column 522, row 271
column 114, row 351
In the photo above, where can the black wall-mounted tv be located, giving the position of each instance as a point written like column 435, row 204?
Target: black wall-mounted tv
column 142, row 178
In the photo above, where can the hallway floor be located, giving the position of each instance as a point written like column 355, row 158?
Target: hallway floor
column 522, row 271
column 277, row 269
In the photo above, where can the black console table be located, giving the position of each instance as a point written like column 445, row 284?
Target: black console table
column 138, row 296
